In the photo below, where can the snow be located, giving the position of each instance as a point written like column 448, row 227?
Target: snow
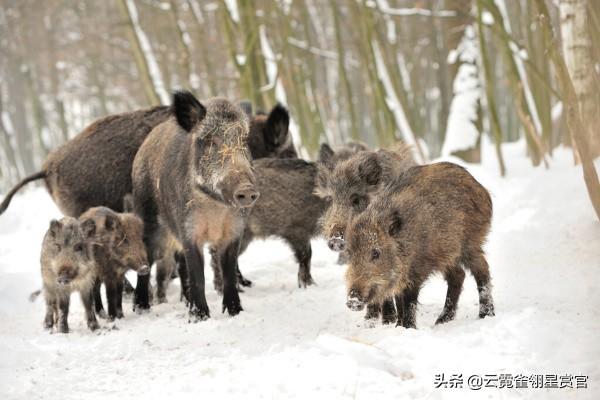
column 461, row 132
column 153, row 67
column 232, row 8
column 385, row 8
column 295, row 343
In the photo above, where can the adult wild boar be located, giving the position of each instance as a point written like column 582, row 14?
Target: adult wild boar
column 193, row 173
column 68, row 262
column 434, row 218
column 94, row 168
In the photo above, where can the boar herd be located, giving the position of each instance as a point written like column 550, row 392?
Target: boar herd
column 152, row 187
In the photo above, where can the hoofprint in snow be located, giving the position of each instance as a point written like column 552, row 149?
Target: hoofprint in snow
column 544, row 253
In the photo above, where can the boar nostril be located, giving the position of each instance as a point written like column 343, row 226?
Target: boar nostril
column 336, row 244
column 245, row 197
column 355, row 301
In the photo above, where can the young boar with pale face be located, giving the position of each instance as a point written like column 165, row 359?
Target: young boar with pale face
column 434, row 218
column 193, row 173
column 68, row 263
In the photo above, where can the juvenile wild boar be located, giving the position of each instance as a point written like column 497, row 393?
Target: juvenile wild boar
column 121, row 236
column 68, row 265
column 287, row 208
column 434, row 218
column 193, row 173
column 349, row 182
column 94, row 168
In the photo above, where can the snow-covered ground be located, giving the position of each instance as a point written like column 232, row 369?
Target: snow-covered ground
column 544, row 253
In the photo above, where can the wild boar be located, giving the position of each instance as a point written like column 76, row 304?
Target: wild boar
column 68, row 262
column 434, row 218
column 193, row 173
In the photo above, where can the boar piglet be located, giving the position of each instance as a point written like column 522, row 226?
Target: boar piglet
column 435, row 218
column 349, row 181
column 68, row 265
column 193, row 174
column 287, row 208
column 121, row 236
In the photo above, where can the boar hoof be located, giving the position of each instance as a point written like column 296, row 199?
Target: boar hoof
column 141, row 308
column 161, row 299
column 406, row 324
column 244, row 282
column 487, row 311
column 102, row 314
column 198, row 314
column 63, row 328
column 445, row 316
column 93, row 325
column 232, row 305
column 305, row 281
column 387, row 319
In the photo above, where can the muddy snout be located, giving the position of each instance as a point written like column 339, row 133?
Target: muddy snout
column 245, row 196
column 65, row 275
column 355, row 300
column 337, row 243
column 143, row 270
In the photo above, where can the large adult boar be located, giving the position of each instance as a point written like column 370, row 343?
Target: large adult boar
column 349, row 182
column 94, row 168
column 193, row 173
column 435, row 218
column 121, row 237
column 68, row 263
column 287, row 208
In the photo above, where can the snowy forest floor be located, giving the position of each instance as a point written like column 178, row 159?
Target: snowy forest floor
column 544, row 253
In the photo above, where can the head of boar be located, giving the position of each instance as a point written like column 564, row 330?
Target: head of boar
column 120, row 234
column 378, row 267
column 219, row 158
column 69, row 255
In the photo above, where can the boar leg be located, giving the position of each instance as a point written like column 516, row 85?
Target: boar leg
column 195, row 265
column 388, row 312
column 119, row 304
column 215, row 264
column 98, row 299
column 481, row 272
column 373, row 311
column 141, row 298
column 164, row 271
column 231, row 297
column 303, row 254
column 63, row 312
column 183, row 277
column 51, row 310
column 87, row 298
column 111, row 297
column 244, row 242
column 406, row 304
column 455, row 278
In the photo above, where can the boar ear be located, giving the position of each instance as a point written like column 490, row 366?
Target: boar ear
column 326, row 155
column 128, row 203
column 395, row 224
column 277, row 126
column 88, row 227
column 55, row 227
column 370, row 170
column 246, row 106
column 187, row 109
column 111, row 222
column 322, row 181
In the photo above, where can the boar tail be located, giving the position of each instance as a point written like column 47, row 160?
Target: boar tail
column 34, row 295
column 9, row 196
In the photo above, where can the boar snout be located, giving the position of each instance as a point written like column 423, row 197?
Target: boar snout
column 336, row 243
column 143, row 270
column 245, row 196
column 65, row 275
column 355, row 301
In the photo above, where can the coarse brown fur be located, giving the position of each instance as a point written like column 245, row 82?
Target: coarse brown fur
column 193, row 172
column 121, row 235
column 350, row 181
column 287, row 208
column 94, row 168
column 68, row 263
column 434, row 218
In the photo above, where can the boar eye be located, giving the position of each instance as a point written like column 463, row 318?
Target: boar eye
column 328, row 199
column 78, row 247
column 375, row 254
column 357, row 202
